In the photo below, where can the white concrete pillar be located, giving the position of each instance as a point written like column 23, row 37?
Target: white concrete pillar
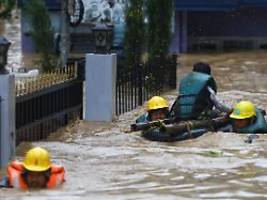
column 100, row 83
column 7, row 119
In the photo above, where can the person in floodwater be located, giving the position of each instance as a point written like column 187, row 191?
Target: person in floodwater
column 157, row 109
column 36, row 171
column 193, row 101
column 246, row 118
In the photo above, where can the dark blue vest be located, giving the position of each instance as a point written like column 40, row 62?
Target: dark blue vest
column 193, row 96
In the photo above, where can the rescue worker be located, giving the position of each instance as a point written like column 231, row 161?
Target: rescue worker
column 36, row 171
column 246, row 118
column 193, row 101
column 157, row 109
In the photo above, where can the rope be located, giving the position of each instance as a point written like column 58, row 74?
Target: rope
column 189, row 127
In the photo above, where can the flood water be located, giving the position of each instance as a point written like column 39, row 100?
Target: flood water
column 104, row 162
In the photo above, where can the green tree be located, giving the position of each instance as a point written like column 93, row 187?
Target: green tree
column 159, row 15
column 6, row 7
column 42, row 32
column 134, row 33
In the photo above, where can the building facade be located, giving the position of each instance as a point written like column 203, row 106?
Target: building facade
column 198, row 25
column 219, row 25
column 81, row 36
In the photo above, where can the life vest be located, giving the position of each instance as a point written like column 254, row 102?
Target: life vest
column 15, row 179
column 193, row 96
column 259, row 126
column 143, row 118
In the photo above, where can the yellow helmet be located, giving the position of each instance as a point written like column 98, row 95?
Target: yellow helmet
column 243, row 110
column 37, row 160
column 156, row 102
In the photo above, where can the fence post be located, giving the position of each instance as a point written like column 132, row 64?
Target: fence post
column 80, row 69
column 173, row 71
column 100, row 87
column 7, row 117
column 140, row 84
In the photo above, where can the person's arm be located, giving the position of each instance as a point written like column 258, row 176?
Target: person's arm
column 219, row 105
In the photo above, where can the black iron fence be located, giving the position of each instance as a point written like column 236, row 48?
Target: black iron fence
column 131, row 89
column 43, row 109
column 50, row 101
column 137, row 85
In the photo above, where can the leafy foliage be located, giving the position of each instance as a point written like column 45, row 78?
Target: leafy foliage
column 159, row 14
column 6, row 7
column 134, row 34
column 42, row 32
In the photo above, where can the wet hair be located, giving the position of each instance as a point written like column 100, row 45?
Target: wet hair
column 202, row 67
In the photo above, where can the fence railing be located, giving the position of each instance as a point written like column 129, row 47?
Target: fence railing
column 130, row 90
column 29, row 85
column 47, row 102
column 136, row 86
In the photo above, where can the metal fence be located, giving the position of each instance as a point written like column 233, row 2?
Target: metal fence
column 130, row 90
column 26, row 86
column 136, row 86
column 47, row 102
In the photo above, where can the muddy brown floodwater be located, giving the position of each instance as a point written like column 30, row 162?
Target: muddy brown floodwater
column 104, row 162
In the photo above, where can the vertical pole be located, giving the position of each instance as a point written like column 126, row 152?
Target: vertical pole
column 116, row 97
column 120, row 91
column 172, row 73
column 140, row 84
column 64, row 44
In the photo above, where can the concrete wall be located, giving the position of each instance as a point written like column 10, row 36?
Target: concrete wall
column 7, row 116
column 100, row 83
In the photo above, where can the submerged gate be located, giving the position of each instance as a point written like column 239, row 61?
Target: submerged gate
column 48, row 102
